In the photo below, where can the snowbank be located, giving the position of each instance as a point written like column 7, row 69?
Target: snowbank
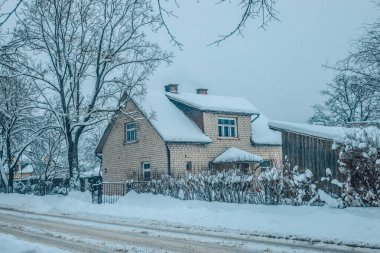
column 10, row 243
column 348, row 225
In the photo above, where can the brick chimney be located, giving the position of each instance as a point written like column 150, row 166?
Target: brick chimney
column 202, row 91
column 172, row 88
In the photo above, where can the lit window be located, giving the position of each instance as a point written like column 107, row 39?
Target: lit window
column 130, row 132
column 227, row 127
column 146, row 171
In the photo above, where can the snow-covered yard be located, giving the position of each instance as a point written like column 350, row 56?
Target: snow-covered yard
column 350, row 225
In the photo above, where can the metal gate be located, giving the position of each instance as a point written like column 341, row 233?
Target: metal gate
column 108, row 192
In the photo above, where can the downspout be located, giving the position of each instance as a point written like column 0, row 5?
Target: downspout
column 168, row 157
column 256, row 115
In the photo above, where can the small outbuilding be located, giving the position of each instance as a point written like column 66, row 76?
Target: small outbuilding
column 310, row 146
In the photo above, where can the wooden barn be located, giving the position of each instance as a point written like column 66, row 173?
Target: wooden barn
column 310, row 146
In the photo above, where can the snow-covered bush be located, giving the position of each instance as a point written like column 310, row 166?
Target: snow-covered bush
column 329, row 200
column 272, row 186
column 299, row 185
column 60, row 190
column 231, row 186
column 359, row 164
column 23, row 187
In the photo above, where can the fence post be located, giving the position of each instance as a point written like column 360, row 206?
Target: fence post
column 100, row 193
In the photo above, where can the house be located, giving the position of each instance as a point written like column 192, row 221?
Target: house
column 24, row 171
column 24, row 168
column 170, row 132
column 310, row 146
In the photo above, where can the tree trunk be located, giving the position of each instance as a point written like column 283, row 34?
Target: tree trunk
column 2, row 180
column 10, row 167
column 72, row 157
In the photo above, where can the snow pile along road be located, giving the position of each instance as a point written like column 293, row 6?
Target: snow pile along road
column 350, row 225
column 10, row 243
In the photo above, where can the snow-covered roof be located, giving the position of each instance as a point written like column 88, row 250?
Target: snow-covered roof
column 169, row 121
column 262, row 134
column 27, row 169
column 214, row 103
column 326, row 132
column 233, row 155
column 91, row 173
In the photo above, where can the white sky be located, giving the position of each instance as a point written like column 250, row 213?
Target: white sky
column 279, row 70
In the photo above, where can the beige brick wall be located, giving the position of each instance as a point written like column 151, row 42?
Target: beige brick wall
column 201, row 155
column 121, row 161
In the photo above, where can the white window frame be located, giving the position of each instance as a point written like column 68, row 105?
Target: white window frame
column 146, row 170
column 229, row 127
column 130, row 131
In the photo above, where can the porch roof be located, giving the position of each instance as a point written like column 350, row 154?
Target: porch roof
column 235, row 155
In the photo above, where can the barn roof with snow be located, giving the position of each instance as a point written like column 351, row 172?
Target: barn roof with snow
column 324, row 132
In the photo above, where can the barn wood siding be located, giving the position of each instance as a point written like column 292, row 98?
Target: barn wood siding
column 311, row 153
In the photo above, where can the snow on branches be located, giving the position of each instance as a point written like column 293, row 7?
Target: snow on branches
column 359, row 163
column 233, row 186
column 17, row 124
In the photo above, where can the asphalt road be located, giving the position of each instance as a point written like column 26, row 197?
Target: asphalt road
column 97, row 234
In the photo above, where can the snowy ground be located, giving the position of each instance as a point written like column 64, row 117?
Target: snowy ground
column 10, row 243
column 350, row 226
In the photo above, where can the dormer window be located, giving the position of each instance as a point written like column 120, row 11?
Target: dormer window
column 227, row 127
column 130, row 132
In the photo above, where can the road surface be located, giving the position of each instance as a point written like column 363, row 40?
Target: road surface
column 97, row 234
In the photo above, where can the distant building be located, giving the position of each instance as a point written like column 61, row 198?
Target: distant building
column 188, row 132
column 24, row 168
column 364, row 123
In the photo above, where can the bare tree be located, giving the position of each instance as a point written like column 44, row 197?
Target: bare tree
column 47, row 154
column 17, row 129
column 364, row 58
column 250, row 9
column 347, row 100
column 90, row 139
column 87, row 57
column 354, row 93
column 10, row 7
column 87, row 54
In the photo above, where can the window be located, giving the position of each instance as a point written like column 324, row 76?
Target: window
column 227, row 127
column 146, row 170
column 265, row 165
column 130, row 132
column 189, row 166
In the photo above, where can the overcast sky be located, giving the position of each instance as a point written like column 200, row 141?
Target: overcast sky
column 279, row 70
